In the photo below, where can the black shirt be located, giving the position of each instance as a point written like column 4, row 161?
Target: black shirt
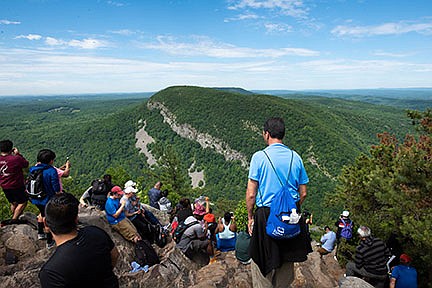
column 84, row 261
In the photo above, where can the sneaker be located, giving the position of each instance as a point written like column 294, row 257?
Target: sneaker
column 42, row 236
column 335, row 258
column 50, row 245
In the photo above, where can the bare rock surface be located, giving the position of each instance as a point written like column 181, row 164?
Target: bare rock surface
column 175, row 269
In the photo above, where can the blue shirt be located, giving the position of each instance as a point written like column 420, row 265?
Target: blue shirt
column 268, row 183
column 50, row 181
column 111, row 207
column 406, row 276
column 328, row 241
column 154, row 196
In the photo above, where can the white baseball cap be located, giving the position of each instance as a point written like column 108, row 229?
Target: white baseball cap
column 344, row 213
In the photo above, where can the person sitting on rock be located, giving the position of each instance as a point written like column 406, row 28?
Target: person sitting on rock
column 328, row 242
column 194, row 239
column 164, row 203
column 96, row 195
column 115, row 214
column 136, row 215
column 404, row 275
column 370, row 258
column 84, row 257
column 226, row 233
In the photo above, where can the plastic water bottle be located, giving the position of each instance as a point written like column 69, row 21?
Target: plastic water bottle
column 294, row 217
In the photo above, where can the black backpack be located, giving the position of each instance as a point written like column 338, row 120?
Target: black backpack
column 161, row 236
column 145, row 254
column 181, row 228
column 34, row 184
column 99, row 187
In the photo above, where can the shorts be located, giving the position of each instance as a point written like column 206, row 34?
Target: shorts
column 16, row 195
column 41, row 209
column 323, row 251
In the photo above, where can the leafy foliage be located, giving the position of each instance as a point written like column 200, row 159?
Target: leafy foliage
column 390, row 191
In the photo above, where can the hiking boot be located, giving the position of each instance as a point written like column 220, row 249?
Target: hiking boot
column 42, row 236
column 50, row 245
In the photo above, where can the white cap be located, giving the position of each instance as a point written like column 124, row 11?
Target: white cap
column 344, row 213
column 130, row 183
column 130, row 189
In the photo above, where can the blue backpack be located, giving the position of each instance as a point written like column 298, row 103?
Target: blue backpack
column 278, row 223
column 346, row 231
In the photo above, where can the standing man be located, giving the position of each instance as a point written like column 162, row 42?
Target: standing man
column 155, row 195
column 84, row 257
column 273, row 260
column 12, row 178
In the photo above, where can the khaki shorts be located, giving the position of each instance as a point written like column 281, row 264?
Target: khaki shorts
column 323, row 251
column 126, row 229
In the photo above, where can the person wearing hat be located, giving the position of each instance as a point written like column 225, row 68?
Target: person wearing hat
column 136, row 215
column 343, row 222
column 370, row 258
column 115, row 213
column 194, row 239
column 404, row 275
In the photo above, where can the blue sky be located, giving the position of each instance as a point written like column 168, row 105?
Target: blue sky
column 97, row 46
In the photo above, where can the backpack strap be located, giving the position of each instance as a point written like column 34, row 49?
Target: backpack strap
column 274, row 169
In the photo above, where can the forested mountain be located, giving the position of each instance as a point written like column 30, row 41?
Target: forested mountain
column 99, row 135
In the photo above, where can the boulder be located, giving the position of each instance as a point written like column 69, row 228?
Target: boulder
column 353, row 282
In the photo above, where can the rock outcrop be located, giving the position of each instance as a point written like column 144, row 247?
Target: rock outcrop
column 175, row 269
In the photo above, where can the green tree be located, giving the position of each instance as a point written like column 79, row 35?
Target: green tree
column 390, row 191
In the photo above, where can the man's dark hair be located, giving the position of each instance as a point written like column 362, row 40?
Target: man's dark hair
column 227, row 217
column 326, row 227
column 61, row 213
column 164, row 193
column 276, row 127
column 45, row 156
column 6, row 146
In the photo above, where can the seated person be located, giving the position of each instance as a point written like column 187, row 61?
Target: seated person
column 135, row 215
column 226, row 233
column 164, row 202
column 370, row 258
column 328, row 241
column 182, row 211
column 194, row 239
column 404, row 275
column 115, row 213
column 96, row 195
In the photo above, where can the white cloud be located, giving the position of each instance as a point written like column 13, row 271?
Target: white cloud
column 8, row 22
column 203, row 46
column 294, row 8
column 277, row 28
column 391, row 28
column 88, row 43
column 116, row 4
column 391, row 54
column 123, row 32
column 247, row 16
column 29, row 37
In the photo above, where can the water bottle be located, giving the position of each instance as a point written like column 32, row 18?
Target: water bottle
column 294, row 217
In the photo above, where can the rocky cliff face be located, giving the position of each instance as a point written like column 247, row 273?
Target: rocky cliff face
column 175, row 269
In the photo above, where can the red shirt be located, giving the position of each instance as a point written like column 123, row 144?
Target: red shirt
column 11, row 174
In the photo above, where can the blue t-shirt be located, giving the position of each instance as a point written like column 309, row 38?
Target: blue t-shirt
column 328, row 241
column 268, row 184
column 406, row 276
column 111, row 207
column 50, row 181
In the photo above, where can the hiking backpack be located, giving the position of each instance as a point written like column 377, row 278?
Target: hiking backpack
column 145, row 254
column 161, row 236
column 34, row 184
column 181, row 228
column 282, row 223
column 346, row 231
column 99, row 187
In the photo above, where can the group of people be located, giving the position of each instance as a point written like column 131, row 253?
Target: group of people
column 374, row 260
column 271, row 259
